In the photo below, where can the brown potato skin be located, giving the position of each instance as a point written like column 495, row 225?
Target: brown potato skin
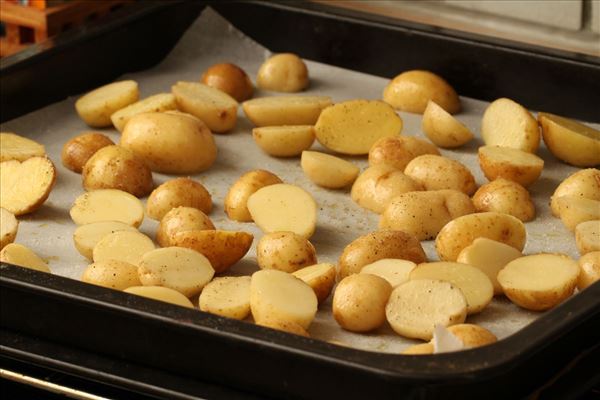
column 398, row 151
column 504, row 196
column 229, row 78
column 181, row 219
column 178, row 192
column 80, row 148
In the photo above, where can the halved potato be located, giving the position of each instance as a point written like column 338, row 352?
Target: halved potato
column 17, row 254
column 285, row 110
column 589, row 274
column 320, row 277
column 575, row 210
column 113, row 274
column 128, row 246
column 504, row 196
column 96, row 107
column 583, row 183
column 442, row 128
column 587, row 236
column 472, row 335
column 79, row 149
column 228, row 296
column 284, row 141
column 419, row 349
column 395, row 271
column 25, row 186
column 161, row 293
column 236, row 201
column 437, row 172
column 181, row 219
column 157, row 103
column 328, row 171
column 512, row 164
column 508, row 124
column 9, row 226
column 16, row 147
column 398, row 151
column 178, row 192
column 87, row 236
column 107, row 205
column 282, row 325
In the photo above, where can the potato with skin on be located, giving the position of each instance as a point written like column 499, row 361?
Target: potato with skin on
column 25, row 186
column 424, row 214
column 377, row 186
column 9, row 227
column 575, row 210
column 96, row 107
column 87, row 236
column 283, row 325
column 285, row 251
column 462, row 231
column 512, row 164
column 285, row 72
column 398, row 151
column 20, row 148
column 395, row 271
column 285, row 110
column 412, row 90
column 157, row 103
column 584, row 183
column 587, row 236
column 589, row 265
column 161, row 293
column 181, row 219
column 359, row 302
column 222, row 248
column 438, row 172
column 128, row 246
column 352, row 127
column 443, row 129
column 418, row 349
column 107, row 205
column 284, row 141
column 17, row 254
column 320, row 277
column 229, row 78
column 472, row 335
column 539, row 282
column 113, row 274
column 79, row 149
column 376, row 246
column 570, row 141
column 504, row 196
column 170, row 143
column 178, row 192
column 328, row 171
column 508, row 124
column 228, row 296
column 236, row 201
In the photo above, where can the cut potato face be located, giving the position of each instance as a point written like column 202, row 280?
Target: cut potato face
column 587, row 236
column 442, row 128
column 284, row 72
column 181, row 219
column 285, row 110
column 398, row 151
column 15, row 147
column 96, row 107
column 512, row 164
column 17, row 254
column 178, row 268
column 228, row 297
column 504, row 196
column 178, row 192
column 352, row 127
column 285, row 251
column 229, row 78
column 107, row 205
column 508, row 124
column 25, row 186
column 283, row 208
column 87, row 236
column 474, row 284
column 575, row 210
column 125, row 246
column 328, row 171
column 437, row 172
column 589, row 274
column 78, row 150
column 395, row 271
column 113, row 274
column 157, row 103
column 540, row 281
column 236, row 201
column 320, row 277
column 161, row 293
column 570, row 141
column 417, row 306
column 284, row 141
column 279, row 295
column 489, row 256
column 8, row 227
column 583, row 183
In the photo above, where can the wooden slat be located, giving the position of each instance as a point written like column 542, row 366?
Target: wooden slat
column 24, row 16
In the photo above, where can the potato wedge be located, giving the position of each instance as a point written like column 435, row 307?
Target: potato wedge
column 570, row 141
column 87, row 236
column 395, row 271
column 284, row 141
column 575, row 210
column 462, row 231
column 508, row 124
column 328, row 171
column 417, row 306
column 181, row 219
column 161, row 293
column 437, row 172
column 16, row 147
column 282, row 207
column 352, row 127
column 228, row 297
column 589, row 265
column 9, row 227
column 512, row 164
column 107, row 205
column 285, row 251
column 285, row 72
column 79, row 149
column 17, row 254
column 96, row 107
column 539, row 282
column 279, row 295
column 285, row 110
column 178, row 192
column 587, row 236
column 583, row 183
column 222, row 248
column 236, row 201
column 472, row 335
column 157, row 103
column 504, row 196
column 442, row 128
column 320, row 277
column 113, row 274
column 398, row 151
column 25, row 186
column 128, row 246
column 229, row 78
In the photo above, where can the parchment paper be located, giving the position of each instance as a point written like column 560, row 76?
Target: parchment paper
column 212, row 39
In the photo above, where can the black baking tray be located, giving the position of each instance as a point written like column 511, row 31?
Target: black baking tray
column 170, row 352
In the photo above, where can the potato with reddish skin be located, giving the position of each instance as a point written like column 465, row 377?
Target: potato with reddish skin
column 285, row 251
column 178, row 192
column 78, row 150
column 398, row 151
column 181, row 219
column 229, row 78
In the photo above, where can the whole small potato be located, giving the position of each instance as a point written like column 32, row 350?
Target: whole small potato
column 178, row 192
column 230, row 79
column 359, row 302
column 285, row 251
column 504, row 196
column 115, row 167
column 437, row 172
column 181, row 219
column 284, row 72
column 236, row 200
column 79, row 149
column 398, row 151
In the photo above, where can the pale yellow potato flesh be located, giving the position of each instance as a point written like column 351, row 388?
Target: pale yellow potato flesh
column 490, row 257
column 398, row 151
column 236, row 201
column 508, row 124
column 128, row 246
column 161, row 293
column 9, row 226
column 285, row 72
column 589, row 265
column 228, row 297
column 435, row 172
column 17, row 254
column 87, row 236
column 505, row 196
column 583, row 183
column 16, row 147
column 587, row 236
column 157, row 103
column 96, row 107
column 353, row 126
column 283, row 207
column 181, row 219
column 472, row 335
column 539, row 282
column 279, row 295
column 178, row 192
column 575, row 210
column 419, row 349
column 320, row 277
column 512, row 164
column 113, row 274
column 284, row 141
column 328, row 171
column 178, row 268
column 443, row 129
column 285, row 251
column 395, row 271
column 25, row 186
column 474, row 284
column 570, row 141
column 417, row 306
column 107, row 205
column 285, row 110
